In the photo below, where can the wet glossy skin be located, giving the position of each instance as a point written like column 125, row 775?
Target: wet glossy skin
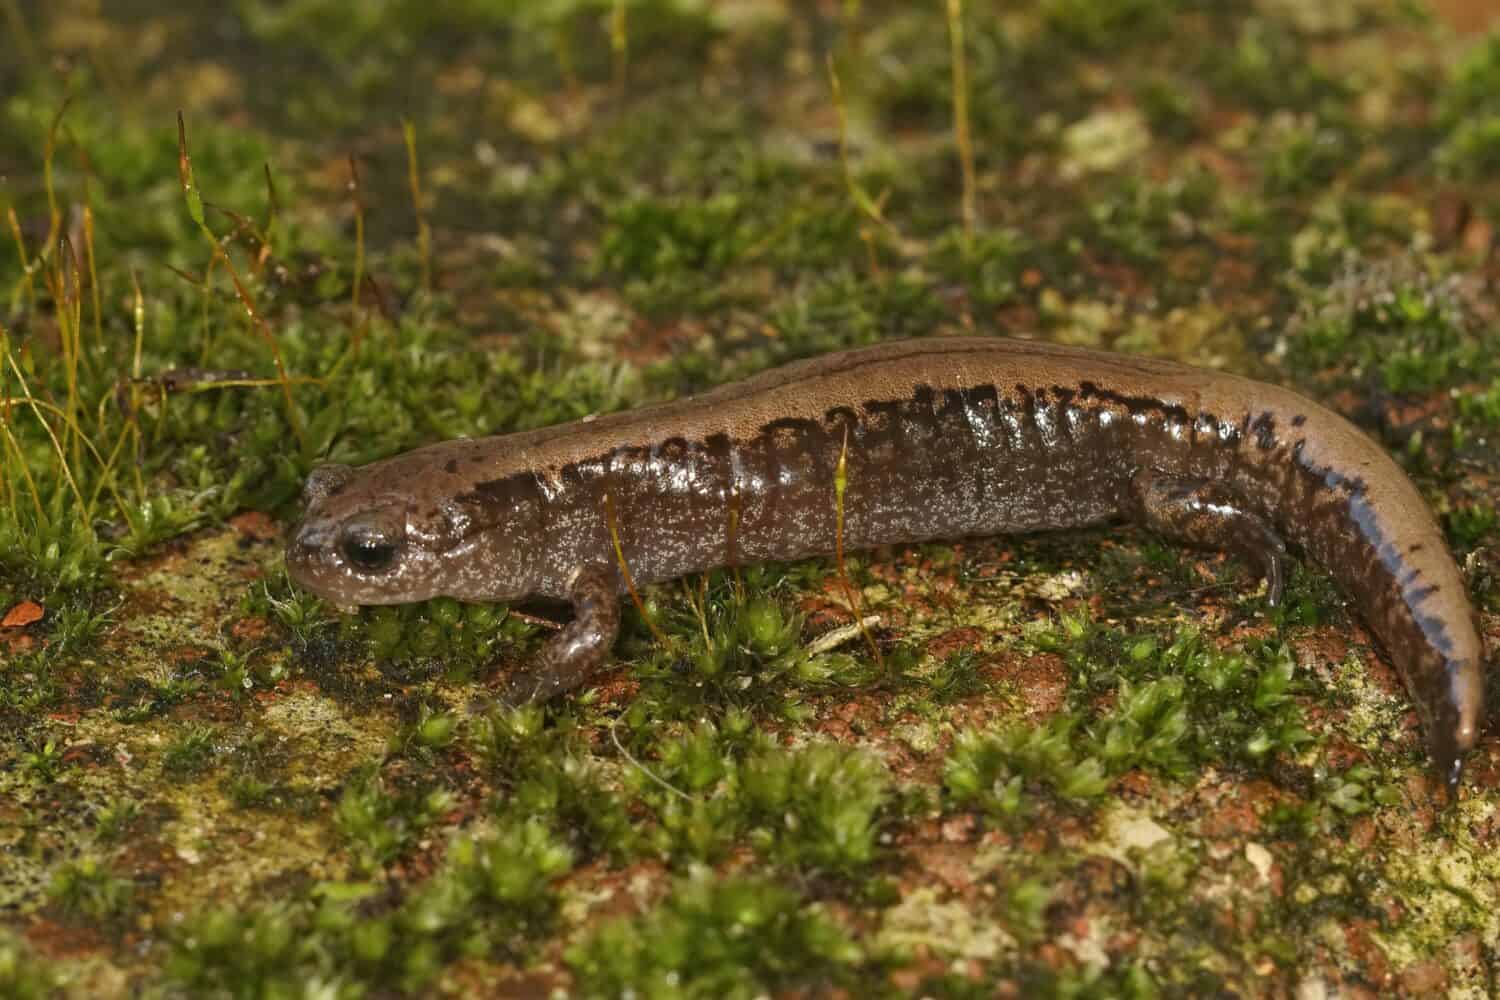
column 943, row 438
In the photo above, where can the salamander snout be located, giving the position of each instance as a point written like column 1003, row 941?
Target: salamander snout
column 355, row 551
column 353, row 547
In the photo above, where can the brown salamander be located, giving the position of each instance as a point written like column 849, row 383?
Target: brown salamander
column 943, row 438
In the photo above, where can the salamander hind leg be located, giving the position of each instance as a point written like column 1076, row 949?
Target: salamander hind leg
column 570, row 656
column 1211, row 514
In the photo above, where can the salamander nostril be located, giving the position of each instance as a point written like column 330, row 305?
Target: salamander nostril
column 309, row 538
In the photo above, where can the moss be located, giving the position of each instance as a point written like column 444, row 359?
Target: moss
column 1266, row 69
column 1301, row 159
column 30, row 683
column 736, row 937
column 234, row 954
column 1467, row 526
column 1412, row 334
column 190, row 754
column 491, row 897
column 989, row 265
column 956, row 678
column 991, row 772
column 1096, row 25
column 733, row 649
column 44, row 762
column 258, row 777
column 816, row 806
column 23, row 975
column 492, row 894
column 1227, row 704
column 1138, row 220
column 1174, row 707
column 674, row 254
column 88, row 888
column 113, row 820
column 1470, row 114
column 380, row 825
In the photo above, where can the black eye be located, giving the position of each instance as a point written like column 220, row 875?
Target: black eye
column 367, row 550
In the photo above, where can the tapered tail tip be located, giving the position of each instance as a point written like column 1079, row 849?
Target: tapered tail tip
column 1448, row 762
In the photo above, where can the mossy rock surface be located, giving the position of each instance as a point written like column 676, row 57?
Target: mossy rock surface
column 1077, row 765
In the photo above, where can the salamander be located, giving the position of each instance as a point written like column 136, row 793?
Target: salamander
column 938, row 438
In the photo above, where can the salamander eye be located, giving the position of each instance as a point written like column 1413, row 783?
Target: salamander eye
column 368, row 549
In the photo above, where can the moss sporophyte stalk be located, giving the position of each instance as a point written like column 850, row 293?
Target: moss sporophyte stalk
column 1087, row 764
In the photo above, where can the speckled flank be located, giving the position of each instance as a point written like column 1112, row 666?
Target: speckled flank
column 943, row 438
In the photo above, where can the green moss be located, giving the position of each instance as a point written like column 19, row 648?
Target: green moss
column 257, row 777
column 77, row 625
column 1468, row 526
column 89, row 888
column 956, row 678
column 1138, row 220
column 491, row 897
column 380, row 825
column 250, row 954
column 843, row 308
column 814, row 808
column 1469, row 112
column 1481, row 407
column 42, row 555
column 23, row 975
column 1133, row 981
column 29, row 682
column 131, row 169
column 1302, row 159
column 738, row 937
column 1175, row 705
column 990, row 772
column 673, row 254
column 817, row 806
column 1473, row 147
column 413, row 637
column 1100, row 24
column 988, row 265
column 549, row 42
column 44, row 762
column 114, row 820
column 190, row 754
column 738, row 646
column 1233, row 704
column 139, row 699
column 1267, row 69
column 1411, row 333
column 544, row 770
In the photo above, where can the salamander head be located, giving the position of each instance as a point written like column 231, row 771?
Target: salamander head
column 384, row 535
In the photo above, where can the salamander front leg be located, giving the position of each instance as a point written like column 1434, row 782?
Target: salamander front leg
column 1209, row 513
column 570, row 656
